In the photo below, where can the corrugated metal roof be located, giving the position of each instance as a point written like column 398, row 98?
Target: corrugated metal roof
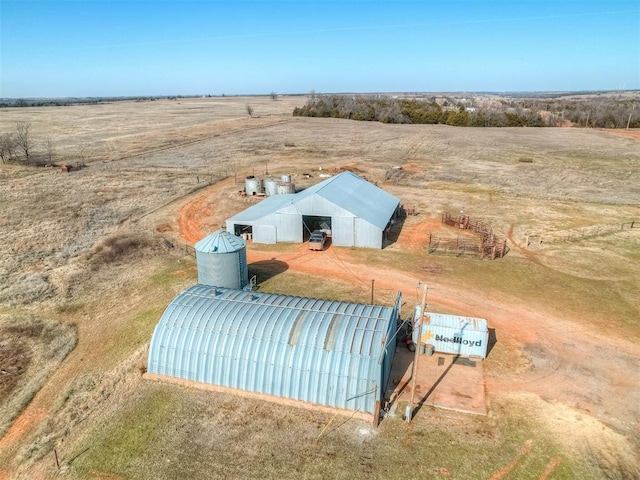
column 454, row 321
column 318, row 351
column 263, row 208
column 346, row 190
column 358, row 196
column 220, row 242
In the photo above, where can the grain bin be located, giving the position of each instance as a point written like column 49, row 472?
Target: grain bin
column 270, row 187
column 222, row 260
column 284, row 188
column 285, row 178
column 253, row 185
column 464, row 336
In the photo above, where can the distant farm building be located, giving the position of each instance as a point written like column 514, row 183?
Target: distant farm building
column 321, row 352
column 354, row 211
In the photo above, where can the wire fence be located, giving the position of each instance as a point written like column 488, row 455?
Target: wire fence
column 537, row 240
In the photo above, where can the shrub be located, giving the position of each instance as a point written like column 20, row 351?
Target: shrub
column 117, row 248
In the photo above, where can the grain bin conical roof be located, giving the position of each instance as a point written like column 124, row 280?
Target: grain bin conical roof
column 220, row 242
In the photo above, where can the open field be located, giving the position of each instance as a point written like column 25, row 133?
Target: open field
column 90, row 252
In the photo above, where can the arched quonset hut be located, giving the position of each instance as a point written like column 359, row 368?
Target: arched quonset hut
column 222, row 260
column 334, row 354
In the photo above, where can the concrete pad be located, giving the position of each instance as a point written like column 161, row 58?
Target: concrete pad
column 443, row 381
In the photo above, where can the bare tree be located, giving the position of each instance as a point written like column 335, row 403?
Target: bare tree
column 82, row 155
column 50, row 150
column 250, row 110
column 23, row 139
column 7, row 147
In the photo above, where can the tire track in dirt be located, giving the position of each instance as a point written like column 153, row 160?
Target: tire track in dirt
column 634, row 134
column 550, row 468
column 192, row 214
column 507, row 469
column 28, row 418
column 217, row 134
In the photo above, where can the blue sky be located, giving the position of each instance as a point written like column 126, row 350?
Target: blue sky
column 146, row 47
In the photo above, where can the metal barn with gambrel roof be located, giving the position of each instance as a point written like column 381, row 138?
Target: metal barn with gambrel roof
column 354, row 210
column 322, row 352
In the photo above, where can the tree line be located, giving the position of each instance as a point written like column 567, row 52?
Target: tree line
column 65, row 102
column 599, row 112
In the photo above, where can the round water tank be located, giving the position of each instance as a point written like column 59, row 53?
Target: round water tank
column 222, row 260
column 270, row 187
column 284, row 188
column 253, row 185
column 285, row 178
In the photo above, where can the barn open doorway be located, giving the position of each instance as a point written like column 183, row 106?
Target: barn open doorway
column 244, row 231
column 315, row 222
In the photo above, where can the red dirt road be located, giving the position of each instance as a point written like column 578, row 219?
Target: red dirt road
column 635, row 134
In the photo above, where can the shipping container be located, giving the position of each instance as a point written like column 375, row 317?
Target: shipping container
column 464, row 336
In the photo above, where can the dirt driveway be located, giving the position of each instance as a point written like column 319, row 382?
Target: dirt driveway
column 584, row 385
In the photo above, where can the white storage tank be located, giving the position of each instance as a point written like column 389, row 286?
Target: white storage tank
column 284, row 188
column 464, row 336
column 222, row 260
column 253, row 185
column 285, row 178
column 270, row 187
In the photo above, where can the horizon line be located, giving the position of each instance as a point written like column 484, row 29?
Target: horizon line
column 311, row 92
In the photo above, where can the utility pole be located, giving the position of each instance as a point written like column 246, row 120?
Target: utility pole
column 372, row 282
column 416, row 358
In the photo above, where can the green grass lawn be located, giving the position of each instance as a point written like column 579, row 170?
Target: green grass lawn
column 169, row 432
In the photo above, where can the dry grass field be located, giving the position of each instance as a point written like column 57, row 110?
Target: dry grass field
column 90, row 259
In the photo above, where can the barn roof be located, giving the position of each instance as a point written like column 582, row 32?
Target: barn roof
column 318, row 351
column 263, row 208
column 346, row 190
column 356, row 195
